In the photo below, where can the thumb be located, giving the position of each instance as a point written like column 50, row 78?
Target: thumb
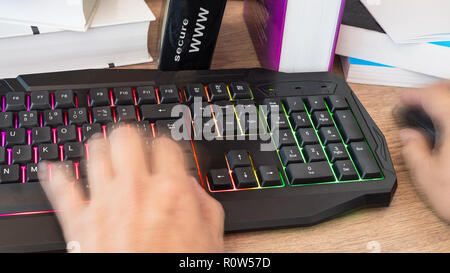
column 416, row 152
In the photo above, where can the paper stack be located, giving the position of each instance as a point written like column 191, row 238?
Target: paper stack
column 81, row 34
column 396, row 42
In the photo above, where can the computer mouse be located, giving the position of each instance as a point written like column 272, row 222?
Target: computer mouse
column 417, row 118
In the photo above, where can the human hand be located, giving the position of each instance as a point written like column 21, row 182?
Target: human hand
column 134, row 208
column 430, row 168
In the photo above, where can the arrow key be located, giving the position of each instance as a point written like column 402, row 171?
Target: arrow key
column 244, row 178
column 269, row 176
column 238, row 158
column 219, row 179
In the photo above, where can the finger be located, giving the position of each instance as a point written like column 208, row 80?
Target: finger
column 64, row 195
column 100, row 170
column 434, row 101
column 211, row 208
column 167, row 158
column 127, row 152
column 416, row 153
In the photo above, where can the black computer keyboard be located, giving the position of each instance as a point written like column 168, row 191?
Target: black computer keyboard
column 275, row 149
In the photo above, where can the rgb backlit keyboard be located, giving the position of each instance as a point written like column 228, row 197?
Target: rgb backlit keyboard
column 275, row 149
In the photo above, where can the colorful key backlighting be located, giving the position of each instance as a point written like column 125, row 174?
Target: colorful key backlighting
column 316, row 139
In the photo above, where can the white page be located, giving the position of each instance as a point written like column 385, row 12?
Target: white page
column 109, row 13
column 64, row 14
column 410, row 21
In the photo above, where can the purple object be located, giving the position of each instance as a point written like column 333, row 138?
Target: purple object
column 265, row 21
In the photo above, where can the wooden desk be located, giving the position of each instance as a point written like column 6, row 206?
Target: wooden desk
column 406, row 226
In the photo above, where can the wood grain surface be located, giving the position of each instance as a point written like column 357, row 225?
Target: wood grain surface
column 407, row 225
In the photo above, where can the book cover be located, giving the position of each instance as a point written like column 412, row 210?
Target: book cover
column 190, row 33
column 265, row 21
column 284, row 37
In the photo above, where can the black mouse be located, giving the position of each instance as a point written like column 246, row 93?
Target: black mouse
column 415, row 117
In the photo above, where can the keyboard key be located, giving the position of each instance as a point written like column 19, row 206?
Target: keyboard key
column 40, row 100
column 336, row 151
column 164, row 127
column 89, row 130
column 307, row 136
column 347, row 126
column 154, row 112
column 67, row 167
column 64, row 99
column 315, row 103
column 48, row 152
column 2, row 155
column 126, row 113
column 99, row 97
column 322, row 119
column 244, row 108
column 240, row 90
column 336, row 103
column 195, row 90
column 290, row 154
column 102, row 115
column 110, row 127
column 146, row 95
column 205, row 127
column 329, row 135
column 277, row 121
column 244, row 178
column 228, row 125
column 53, row 118
column 364, row 161
column 168, row 93
column 6, row 120
column 32, row 173
column 123, row 96
column 15, row 101
column 77, row 116
column 314, row 153
column 199, row 110
column 218, row 91
column 144, row 128
column 16, row 136
column 299, row 120
column 306, row 173
column 28, row 119
column 283, row 138
column 294, row 104
column 21, row 154
column 9, row 174
column 219, row 179
column 41, row 135
column 238, row 158
column 73, row 150
column 345, row 170
column 269, row 176
column 66, row 134
column 222, row 108
column 271, row 105
column 249, row 124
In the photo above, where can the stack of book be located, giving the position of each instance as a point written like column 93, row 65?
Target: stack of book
column 294, row 35
column 52, row 35
column 397, row 43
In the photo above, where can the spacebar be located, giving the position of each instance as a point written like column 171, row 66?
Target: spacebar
column 305, row 173
column 17, row 198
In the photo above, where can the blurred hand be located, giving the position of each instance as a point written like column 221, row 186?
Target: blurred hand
column 430, row 168
column 132, row 208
